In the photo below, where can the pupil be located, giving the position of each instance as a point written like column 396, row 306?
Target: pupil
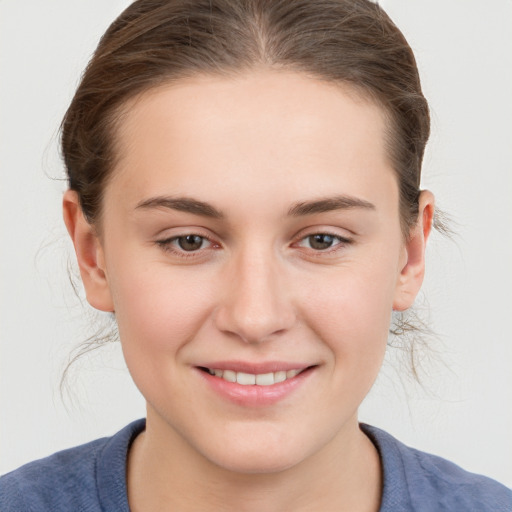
column 321, row 241
column 190, row 242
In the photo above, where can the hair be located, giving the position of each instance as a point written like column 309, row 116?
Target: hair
column 154, row 42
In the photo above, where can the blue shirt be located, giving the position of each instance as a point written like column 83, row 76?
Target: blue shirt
column 92, row 478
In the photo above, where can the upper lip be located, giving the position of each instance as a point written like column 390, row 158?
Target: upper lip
column 255, row 368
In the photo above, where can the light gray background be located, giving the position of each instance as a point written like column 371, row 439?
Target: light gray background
column 464, row 51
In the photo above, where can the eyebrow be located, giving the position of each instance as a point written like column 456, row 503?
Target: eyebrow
column 329, row 204
column 196, row 207
column 182, row 204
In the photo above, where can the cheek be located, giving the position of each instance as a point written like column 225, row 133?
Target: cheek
column 350, row 310
column 158, row 309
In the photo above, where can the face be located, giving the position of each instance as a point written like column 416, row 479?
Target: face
column 251, row 250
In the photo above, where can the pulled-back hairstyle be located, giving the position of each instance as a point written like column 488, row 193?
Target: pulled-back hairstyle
column 159, row 41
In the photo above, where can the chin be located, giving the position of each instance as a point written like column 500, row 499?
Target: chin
column 260, row 462
column 257, row 456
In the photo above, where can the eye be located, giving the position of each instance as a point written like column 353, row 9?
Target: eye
column 189, row 243
column 322, row 241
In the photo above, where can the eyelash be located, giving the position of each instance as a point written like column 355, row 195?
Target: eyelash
column 168, row 244
column 341, row 243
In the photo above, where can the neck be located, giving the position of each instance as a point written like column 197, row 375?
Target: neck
column 166, row 473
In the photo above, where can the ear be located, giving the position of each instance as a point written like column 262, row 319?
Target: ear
column 413, row 267
column 89, row 253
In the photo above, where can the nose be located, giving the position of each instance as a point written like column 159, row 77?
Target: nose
column 256, row 304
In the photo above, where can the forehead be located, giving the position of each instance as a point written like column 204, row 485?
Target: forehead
column 262, row 131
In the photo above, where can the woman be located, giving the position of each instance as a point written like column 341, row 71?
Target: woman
column 244, row 198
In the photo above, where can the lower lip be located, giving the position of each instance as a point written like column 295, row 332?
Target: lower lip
column 255, row 395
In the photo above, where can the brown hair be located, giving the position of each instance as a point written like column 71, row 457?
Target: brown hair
column 157, row 41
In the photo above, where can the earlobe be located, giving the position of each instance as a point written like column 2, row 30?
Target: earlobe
column 412, row 272
column 89, row 253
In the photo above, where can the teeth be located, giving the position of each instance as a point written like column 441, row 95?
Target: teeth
column 229, row 375
column 279, row 377
column 250, row 379
column 265, row 379
column 247, row 379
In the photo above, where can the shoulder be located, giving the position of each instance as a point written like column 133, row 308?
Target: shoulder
column 73, row 479
column 65, row 478
column 430, row 483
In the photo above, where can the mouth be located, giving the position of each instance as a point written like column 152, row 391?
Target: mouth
column 250, row 384
column 254, row 379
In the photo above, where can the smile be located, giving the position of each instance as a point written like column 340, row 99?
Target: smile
column 251, row 379
column 255, row 385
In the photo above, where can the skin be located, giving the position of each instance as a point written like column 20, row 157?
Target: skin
column 252, row 147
